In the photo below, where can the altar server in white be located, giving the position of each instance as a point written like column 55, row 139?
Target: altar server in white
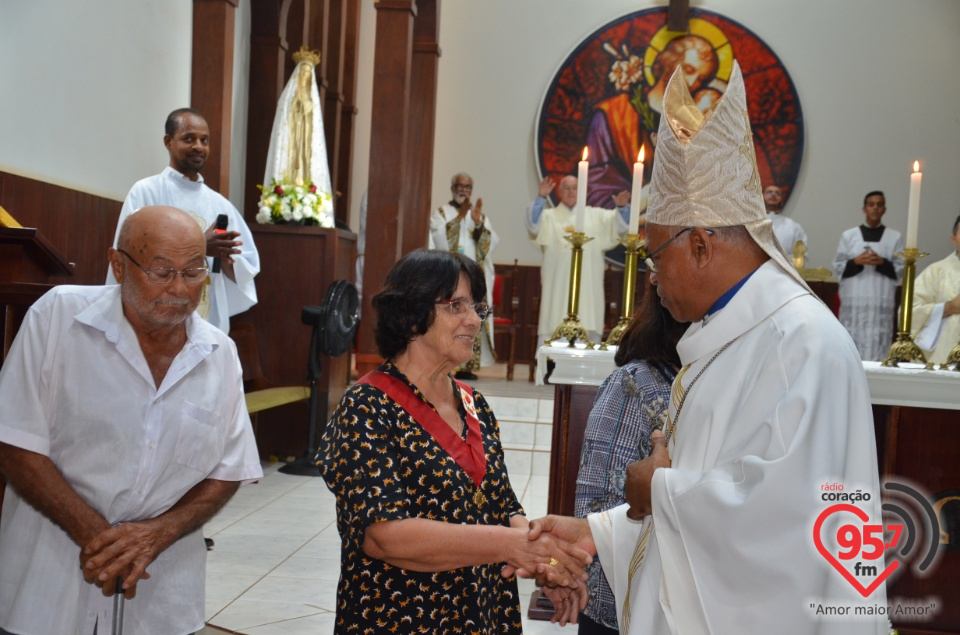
column 936, row 305
column 547, row 227
column 461, row 226
column 869, row 273
column 180, row 185
column 771, row 404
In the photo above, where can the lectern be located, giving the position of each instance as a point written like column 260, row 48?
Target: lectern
column 27, row 262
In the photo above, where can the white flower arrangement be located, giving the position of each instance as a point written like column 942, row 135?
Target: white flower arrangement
column 283, row 202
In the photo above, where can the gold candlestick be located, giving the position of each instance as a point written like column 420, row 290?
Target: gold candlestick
column 632, row 243
column 953, row 359
column 571, row 328
column 904, row 349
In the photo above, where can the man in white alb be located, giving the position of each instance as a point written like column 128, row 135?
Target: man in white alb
column 936, row 304
column 180, row 185
column 547, row 228
column 787, row 230
column 461, row 226
column 869, row 273
column 770, row 405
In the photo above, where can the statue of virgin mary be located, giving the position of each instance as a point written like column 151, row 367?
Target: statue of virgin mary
column 298, row 149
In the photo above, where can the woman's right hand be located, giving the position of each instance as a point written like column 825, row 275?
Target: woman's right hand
column 550, row 558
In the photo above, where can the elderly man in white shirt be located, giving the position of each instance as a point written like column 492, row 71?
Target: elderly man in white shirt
column 124, row 431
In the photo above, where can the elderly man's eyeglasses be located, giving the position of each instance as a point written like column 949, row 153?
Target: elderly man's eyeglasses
column 195, row 275
column 459, row 308
column 651, row 263
column 463, row 186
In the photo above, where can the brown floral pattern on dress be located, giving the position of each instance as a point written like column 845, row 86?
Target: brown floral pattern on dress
column 382, row 465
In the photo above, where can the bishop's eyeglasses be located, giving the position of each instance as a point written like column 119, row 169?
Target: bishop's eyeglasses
column 652, row 264
column 194, row 275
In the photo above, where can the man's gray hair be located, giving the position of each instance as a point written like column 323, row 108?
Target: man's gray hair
column 734, row 235
column 453, row 179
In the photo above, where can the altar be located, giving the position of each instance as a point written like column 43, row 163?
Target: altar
column 917, row 423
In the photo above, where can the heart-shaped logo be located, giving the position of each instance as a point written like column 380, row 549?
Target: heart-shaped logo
column 862, row 515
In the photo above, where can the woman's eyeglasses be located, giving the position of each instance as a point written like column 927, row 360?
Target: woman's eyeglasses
column 459, row 307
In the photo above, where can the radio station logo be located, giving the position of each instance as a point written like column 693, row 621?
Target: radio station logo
column 855, row 544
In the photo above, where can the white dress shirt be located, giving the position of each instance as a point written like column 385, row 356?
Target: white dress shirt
column 77, row 388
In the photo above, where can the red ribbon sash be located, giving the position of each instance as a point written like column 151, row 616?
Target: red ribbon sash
column 468, row 454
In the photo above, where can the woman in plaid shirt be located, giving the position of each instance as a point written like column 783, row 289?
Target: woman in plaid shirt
column 629, row 405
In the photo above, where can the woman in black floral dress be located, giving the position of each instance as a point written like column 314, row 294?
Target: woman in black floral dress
column 425, row 511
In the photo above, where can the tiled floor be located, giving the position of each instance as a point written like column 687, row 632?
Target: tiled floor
column 275, row 564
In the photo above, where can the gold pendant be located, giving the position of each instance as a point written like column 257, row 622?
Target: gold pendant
column 479, row 499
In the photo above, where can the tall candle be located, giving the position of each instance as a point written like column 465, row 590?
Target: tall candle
column 913, row 208
column 636, row 194
column 582, row 177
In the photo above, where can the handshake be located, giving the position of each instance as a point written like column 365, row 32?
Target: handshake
column 568, row 544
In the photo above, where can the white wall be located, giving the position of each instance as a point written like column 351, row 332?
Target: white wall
column 878, row 82
column 87, row 87
column 90, row 84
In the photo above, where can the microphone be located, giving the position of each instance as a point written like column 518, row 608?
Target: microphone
column 220, row 228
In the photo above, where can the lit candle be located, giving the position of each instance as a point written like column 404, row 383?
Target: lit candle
column 913, row 208
column 582, row 168
column 636, row 194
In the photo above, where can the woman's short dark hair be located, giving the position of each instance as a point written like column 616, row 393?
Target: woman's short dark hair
column 406, row 307
column 652, row 334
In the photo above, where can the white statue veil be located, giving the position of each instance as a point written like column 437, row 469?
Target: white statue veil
column 280, row 162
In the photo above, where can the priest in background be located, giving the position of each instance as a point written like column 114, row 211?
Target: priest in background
column 180, row 185
column 547, row 228
column 462, row 227
column 787, row 230
column 771, row 404
column 936, row 305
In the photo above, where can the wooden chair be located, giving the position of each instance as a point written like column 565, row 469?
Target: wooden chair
column 506, row 324
column 260, row 393
column 534, row 338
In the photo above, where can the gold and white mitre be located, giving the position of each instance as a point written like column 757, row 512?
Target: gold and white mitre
column 705, row 169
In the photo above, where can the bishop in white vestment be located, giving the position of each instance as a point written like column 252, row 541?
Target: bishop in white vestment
column 771, row 406
column 781, row 411
column 936, row 305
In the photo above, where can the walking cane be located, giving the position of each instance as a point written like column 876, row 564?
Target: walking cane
column 118, row 600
